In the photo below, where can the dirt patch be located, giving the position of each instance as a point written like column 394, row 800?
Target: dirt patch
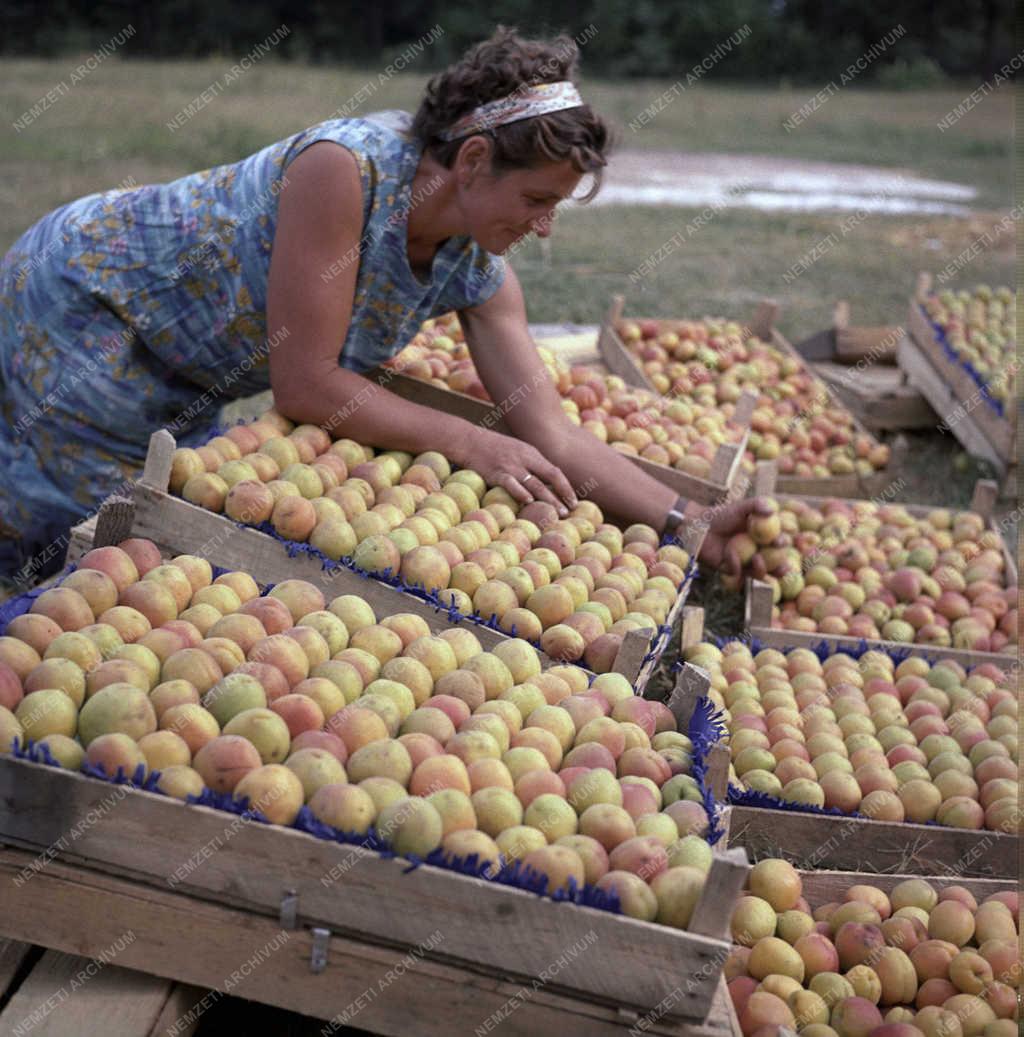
column 775, row 185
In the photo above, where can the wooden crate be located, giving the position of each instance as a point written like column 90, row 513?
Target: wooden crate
column 758, row 607
column 952, row 392
column 813, row 840
column 618, row 358
column 721, row 479
column 128, row 1003
column 858, row 364
column 178, row 527
column 202, row 890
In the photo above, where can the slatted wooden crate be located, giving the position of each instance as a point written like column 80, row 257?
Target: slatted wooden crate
column 953, row 393
column 859, row 364
column 758, row 607
column 178, row 527
column 811, row 840
column 711, row 490
column 202, row 891
column 619, row 359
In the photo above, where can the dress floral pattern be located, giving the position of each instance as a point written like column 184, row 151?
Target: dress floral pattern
column 130, row 310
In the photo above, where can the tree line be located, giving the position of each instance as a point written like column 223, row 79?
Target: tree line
column 786, row 41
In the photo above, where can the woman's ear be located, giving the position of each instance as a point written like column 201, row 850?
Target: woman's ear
column 473, row 159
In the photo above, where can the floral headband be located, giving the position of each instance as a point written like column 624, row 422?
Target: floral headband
column 526, row 102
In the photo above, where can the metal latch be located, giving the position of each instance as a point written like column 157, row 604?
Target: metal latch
column 318, row 953
column 289, row 917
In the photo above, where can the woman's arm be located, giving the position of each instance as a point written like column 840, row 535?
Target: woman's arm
column 320, row 223
column 516, row 378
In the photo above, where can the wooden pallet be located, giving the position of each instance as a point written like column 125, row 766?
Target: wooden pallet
column 618, row 358
column 952, row 392
column 716, row 487
column 831, row 841
column 758, row 607
column 202, row 891
column 51, row 993
column 178, row 527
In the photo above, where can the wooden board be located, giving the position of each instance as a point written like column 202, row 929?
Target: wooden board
column 373, row 988
column 879, row 397
column 823, row 887
column 214, row 855
column 858, row 844
column 966, row 425
column 710, row 490
column 88, row 996
column 960, row 386
column 614, row 351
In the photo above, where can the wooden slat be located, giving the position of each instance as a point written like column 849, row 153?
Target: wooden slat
column 173, row 1017
column 157, row 470
column 691, row 631
column 114, row 521
column 880, row 398
column 826, row 841
column 14, row 957
column 479, row 412
column 823, row 887
column 998, row 431
column 67, row 994
column 81, row 540
column 613, row 352
column 692, row 683
column 629, row 660
column 154, row 839
column 947, row 405
column 775, row 637
column 198, row 942
column 717, row 775
column 724, row 884
column 877, row 345
column 179, row 527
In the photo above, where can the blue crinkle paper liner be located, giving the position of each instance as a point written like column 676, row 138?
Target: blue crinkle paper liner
column 514, row 874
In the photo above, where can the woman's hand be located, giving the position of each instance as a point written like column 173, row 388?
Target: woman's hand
column 520, row 469
column 724, row 522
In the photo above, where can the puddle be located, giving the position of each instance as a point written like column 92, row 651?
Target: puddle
column 775, row 185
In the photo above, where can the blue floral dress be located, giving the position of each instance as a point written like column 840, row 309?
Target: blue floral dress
column 130, row 310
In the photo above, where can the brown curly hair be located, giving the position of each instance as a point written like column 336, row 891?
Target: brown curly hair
column 496, row 68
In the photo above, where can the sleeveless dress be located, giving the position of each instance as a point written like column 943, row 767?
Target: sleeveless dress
column 130, row 310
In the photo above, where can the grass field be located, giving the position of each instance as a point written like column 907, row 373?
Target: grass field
column 112, row 125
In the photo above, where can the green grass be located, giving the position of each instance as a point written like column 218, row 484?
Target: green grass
column 112, row 125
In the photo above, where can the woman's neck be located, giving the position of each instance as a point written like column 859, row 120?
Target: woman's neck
column 434, row 215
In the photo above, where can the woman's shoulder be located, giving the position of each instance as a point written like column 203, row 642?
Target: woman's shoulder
column 381, row 138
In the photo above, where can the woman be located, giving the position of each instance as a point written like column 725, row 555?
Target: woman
column 299, row 267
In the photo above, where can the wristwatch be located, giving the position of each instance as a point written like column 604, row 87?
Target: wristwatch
column 676, row 515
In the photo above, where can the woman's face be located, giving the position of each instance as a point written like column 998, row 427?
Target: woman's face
column 501, row 209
